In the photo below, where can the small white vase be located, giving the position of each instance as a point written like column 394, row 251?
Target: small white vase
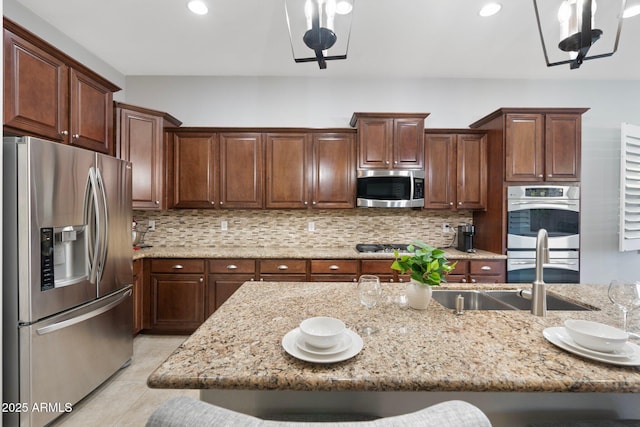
column 418, row 295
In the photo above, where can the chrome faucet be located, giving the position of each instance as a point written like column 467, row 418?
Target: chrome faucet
column 538, row 290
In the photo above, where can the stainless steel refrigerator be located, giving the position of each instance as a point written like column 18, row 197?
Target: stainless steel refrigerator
column 67, row 276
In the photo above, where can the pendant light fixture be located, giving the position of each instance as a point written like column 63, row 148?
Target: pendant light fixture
column 573, row 31
column 319, row 30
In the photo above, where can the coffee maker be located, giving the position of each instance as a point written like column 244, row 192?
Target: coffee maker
column 465, row 237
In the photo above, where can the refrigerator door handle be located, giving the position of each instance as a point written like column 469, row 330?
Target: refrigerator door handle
column 75, row 320
column 103, row 242
column 93, row 217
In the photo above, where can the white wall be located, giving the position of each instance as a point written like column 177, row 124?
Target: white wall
column 329, row 102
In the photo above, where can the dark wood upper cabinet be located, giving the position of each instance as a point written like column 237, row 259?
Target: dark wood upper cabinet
column 456, row 167
column 333, row 171
column 390, row 140
column 195, row 170
column 241, row 170
column 140, row 140
column 287, row 170
column 542, row 147
column 50, row 95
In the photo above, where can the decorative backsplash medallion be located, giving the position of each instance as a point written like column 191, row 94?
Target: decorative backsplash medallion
column 290, row 228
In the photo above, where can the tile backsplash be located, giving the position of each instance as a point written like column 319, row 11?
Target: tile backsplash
column 290, row 228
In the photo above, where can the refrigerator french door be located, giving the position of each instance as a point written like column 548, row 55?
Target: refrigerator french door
column 67, row 305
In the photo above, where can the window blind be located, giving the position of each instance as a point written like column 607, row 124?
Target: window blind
column 630, row 188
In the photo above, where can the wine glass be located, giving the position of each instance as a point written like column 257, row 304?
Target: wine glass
column 625, row 296
column 369, row 291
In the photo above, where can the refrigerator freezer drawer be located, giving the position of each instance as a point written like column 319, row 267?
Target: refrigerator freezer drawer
column 71, row 354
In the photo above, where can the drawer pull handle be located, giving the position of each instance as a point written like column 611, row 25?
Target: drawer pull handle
column 283, row 267
column 177, row 267
column 334, row 267
column 485, row 268
column 232, row 267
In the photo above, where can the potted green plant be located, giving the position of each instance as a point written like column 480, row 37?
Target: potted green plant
column 428, row 266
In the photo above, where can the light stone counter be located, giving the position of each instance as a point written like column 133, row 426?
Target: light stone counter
column 287, row 252
column 418, row 358
column 239, row 346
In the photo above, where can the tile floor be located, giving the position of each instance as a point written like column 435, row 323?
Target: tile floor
column 125, row 400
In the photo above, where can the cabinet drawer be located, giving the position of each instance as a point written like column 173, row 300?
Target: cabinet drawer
column 283, row 266
column 335, row 266
column 177, row 265
column 486, row 267
column 232, row 266
column 377, row 267
column 462, row 267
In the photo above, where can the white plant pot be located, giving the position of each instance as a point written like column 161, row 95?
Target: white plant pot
column 418, row 295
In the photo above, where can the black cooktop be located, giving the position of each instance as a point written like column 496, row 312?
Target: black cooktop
column 384, row 247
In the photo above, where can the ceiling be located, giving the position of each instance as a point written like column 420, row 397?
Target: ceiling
column 399, row 38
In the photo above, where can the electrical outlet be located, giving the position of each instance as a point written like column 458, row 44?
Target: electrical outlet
column 311, row 226
column 152, row 225
column 446, row 228
column 223, row 226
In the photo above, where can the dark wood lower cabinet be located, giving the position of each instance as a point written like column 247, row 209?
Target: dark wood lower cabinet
column 138, row 296
column 479, row 271
column 177, row 302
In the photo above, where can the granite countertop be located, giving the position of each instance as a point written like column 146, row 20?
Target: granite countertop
column 287, row 252
column 239, row 346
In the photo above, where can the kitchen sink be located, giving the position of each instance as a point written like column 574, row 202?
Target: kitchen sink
column 554, row 302
column 502, row 300
column 473, row 300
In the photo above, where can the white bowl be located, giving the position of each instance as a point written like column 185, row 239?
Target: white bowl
column 322, row 332
column 596, row 336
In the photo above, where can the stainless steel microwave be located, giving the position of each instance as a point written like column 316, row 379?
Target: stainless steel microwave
column 390, row 188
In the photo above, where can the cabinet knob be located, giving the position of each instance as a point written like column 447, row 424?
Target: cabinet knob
column 473, row 280
column 401, row 280
column 232, row 267
column 395, row 162
column 201, row 280
column 157, row 202
column 75, row 136
column 221, row 203
column 463, row 280
column 64, row 133
column 390, row 280
column 334, row 267
column 306, row 203
column 252, row 280
column 450, row 203
column 549, row 176
column 459, row 203
column 177, row 267
column 540, row 176
column 313, row 203
column 283, row 267
column 213, row 203
column 387, row 162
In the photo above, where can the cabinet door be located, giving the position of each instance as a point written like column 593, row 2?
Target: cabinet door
column 375, row 136
column 471, row 172
column 440, row 155
column 241, row 166
column 177, row 302
column 221, row 287
column 36, row 87
column 408, row 144
column 140, row 142
column 334, row 180
column 562, row 147
column 287, row 177
column 138, row 295
column 488, row 271
column 524, row 154
column 91, row 114
column 194, row 169
column 380, row 268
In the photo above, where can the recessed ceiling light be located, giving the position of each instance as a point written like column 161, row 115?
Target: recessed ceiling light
column 344, row 7
column 631, row 11
column 198, row 7
column 490, row 9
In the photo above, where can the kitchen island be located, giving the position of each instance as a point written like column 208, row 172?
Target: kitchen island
column 498, row 360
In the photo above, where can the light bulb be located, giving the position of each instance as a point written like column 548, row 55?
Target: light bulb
column 343, row 7
column 198, row 7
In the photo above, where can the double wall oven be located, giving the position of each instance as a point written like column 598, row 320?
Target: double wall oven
column 554, row 208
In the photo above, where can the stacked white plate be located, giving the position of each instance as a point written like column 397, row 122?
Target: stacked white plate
column 628, row 355
column 348, row 346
